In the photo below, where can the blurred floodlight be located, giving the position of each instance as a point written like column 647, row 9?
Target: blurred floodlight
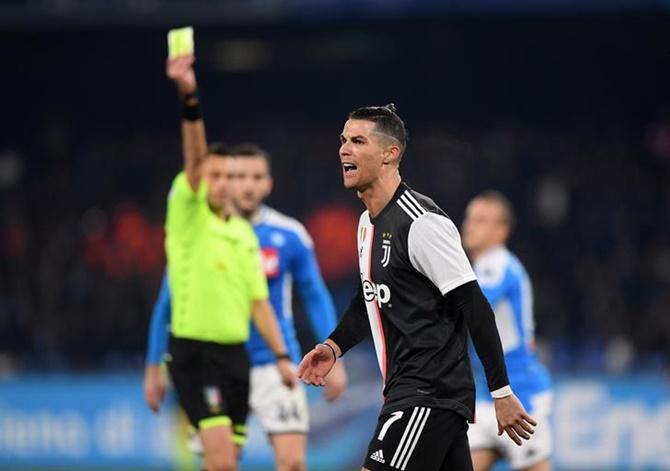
column 553, row 201
column 11, row 170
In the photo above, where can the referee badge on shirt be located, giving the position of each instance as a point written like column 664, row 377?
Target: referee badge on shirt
column 213, row 398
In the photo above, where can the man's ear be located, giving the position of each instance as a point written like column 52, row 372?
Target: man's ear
column 391, row 155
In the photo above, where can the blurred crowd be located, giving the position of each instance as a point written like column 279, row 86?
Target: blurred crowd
column 81, row 237
column 567, row 116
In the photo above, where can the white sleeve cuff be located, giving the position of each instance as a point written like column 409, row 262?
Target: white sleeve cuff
column 502, row 392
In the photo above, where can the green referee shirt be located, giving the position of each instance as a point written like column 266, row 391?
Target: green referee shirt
column 214, row 268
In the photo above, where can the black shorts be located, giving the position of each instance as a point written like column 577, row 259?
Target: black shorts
column 212, row 383
column 420, row 439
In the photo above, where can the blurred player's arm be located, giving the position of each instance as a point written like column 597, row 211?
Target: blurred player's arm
column 179, row 69
column 351, row 330
column 265, row 320
column 435, row 250
column 320, row 309
column 154, row 381
column 264, row 317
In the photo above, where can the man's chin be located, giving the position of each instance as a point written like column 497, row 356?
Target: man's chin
column 349, row 185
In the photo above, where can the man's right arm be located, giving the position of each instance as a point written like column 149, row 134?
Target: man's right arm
column 351, row 330
column 158, row 326
column 154, row 383
column 194, row 140
column 354, row 326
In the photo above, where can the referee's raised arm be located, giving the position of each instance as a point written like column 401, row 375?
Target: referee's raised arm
column 194, row 141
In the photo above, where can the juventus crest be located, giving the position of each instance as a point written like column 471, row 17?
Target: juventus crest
column 386, row 247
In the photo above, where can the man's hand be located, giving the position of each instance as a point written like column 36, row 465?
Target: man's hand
column 336, row 382
column 513, row 419
column 180, row 70
column 287, row 372
column 154, row 387
column 316, row 365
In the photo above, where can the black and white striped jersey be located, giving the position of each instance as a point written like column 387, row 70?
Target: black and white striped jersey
column 411, row 258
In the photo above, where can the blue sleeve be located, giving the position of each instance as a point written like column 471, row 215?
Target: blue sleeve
column 159, row 325
column 495, row 292
column 313, row 291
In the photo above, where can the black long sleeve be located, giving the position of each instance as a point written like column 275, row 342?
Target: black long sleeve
column 354, row 326
column 469, row 299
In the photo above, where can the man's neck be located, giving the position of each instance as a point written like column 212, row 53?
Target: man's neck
column 378, row 195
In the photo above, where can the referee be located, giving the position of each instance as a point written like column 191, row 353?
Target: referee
column 418, row 299
column 216, row 279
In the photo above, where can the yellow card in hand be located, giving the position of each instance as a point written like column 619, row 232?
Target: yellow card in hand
column 180, row 42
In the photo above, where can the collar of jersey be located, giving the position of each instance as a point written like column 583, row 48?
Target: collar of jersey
column 401, row 189
column 261, row 216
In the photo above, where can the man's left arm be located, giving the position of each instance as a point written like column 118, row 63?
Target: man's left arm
column 435, row 250
column 319, row 306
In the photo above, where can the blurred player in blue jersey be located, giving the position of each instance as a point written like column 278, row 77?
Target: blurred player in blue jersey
column 288, row 257
column 488, row 222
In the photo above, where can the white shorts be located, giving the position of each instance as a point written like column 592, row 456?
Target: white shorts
column 277, row 408
column 483, row 434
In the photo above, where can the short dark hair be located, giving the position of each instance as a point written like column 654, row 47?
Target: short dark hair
column 249, row 149
column 219, row 148
column 387, row 120
column 508, row 210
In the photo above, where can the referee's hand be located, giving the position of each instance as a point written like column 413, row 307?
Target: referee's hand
column 513, row 419
column 180, row 70
column 316, row 365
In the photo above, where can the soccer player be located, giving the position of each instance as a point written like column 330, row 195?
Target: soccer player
column 288, row 256
column 418, row 299
column 217, row 283
column 489, row 219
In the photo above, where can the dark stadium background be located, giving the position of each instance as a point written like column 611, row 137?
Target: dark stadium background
column 563, row 106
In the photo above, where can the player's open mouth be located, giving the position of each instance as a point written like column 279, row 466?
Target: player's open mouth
column 348, row 168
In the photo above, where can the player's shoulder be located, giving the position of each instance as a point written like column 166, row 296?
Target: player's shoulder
column 289, row 226
column 180, row 188
column 414, row 206
column 515, row 266
column 492, row 267
column 422, row 216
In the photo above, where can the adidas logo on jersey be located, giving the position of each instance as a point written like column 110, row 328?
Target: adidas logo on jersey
column 378, row 456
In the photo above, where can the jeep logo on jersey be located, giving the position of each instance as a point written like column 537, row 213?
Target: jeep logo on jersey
column 386, row 257
column 380, row 292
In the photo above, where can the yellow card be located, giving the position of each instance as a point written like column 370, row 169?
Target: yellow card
column 180, row 42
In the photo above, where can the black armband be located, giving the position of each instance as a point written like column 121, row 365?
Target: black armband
column 283, row 356
column 191, row 107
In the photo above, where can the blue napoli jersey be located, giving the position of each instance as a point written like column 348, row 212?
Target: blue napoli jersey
column 288, row 258
column 507, row 287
